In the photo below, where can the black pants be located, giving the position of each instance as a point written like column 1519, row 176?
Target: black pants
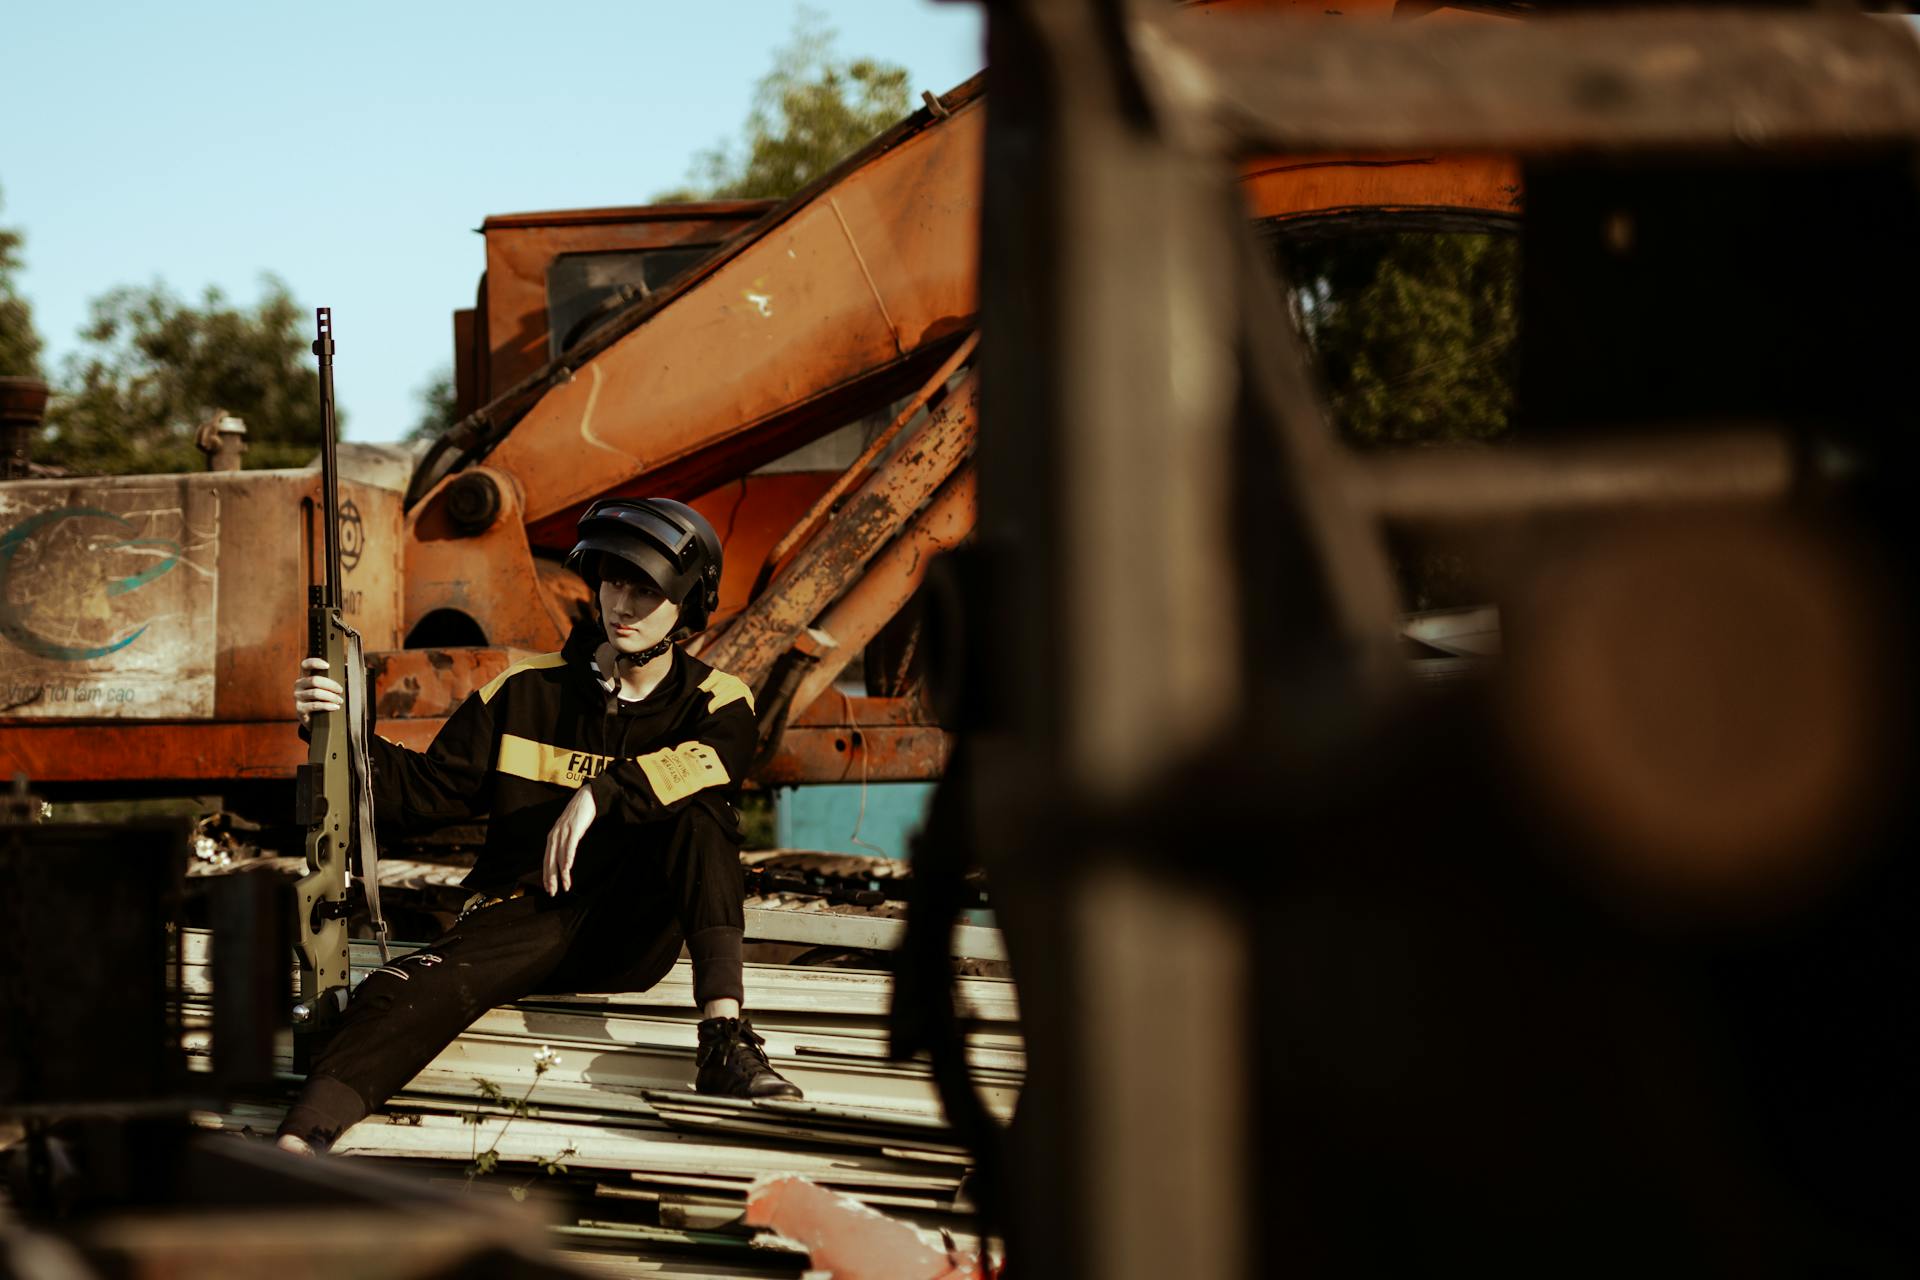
column 682, row 881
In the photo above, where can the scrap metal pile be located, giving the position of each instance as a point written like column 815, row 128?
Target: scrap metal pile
column 584, row 1101
column 801, row 901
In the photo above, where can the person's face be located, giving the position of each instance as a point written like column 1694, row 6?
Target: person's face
column 633, row 610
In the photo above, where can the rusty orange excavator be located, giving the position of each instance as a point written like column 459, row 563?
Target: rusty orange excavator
column 802, row 372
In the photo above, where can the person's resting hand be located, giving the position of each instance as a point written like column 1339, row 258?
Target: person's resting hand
column 314, row 693
column 564, row 841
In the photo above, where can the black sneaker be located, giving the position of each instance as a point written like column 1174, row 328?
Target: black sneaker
column 734, row 1065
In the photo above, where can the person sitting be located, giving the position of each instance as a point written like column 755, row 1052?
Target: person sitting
column 608, row 773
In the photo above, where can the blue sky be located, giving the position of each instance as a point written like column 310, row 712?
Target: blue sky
column 351, row 148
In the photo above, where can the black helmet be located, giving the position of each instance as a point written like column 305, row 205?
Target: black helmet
column 668, row 541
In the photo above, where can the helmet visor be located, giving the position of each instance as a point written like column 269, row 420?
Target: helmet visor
column 642, row 555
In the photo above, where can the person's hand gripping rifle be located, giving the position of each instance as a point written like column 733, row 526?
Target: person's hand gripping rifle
column 335, row 787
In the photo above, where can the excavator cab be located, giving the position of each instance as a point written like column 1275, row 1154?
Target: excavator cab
column 552, row 277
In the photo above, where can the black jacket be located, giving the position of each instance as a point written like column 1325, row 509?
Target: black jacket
column 519, row 748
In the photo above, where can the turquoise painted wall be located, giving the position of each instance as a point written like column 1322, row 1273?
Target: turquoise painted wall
column 824, row 817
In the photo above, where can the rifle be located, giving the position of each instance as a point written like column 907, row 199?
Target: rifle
column 334, row 789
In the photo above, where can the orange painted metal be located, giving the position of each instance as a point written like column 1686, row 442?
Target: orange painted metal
column 1282, row 188
column 890, row 581
column 1313, row 10
column 522, row 247
column 885, row 736
column 853, row 282
column 489, row 577
column 751, row 514
column 169, row 751
column 827, row 565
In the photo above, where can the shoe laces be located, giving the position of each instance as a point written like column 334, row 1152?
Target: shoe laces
column 740, row 1035
column 754, row 1043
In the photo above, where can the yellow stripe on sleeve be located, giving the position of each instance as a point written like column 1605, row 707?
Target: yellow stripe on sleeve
column 679, row 772
column 541, row 663
column 725, row 689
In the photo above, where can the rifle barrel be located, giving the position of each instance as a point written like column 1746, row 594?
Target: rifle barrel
column 331, row 595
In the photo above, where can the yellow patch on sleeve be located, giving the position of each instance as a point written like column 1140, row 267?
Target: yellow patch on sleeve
column 679, row 772
column 541, row 663
column 561, row 766
column 725, row 689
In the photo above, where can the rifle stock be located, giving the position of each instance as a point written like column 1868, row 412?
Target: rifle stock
column 324, row 799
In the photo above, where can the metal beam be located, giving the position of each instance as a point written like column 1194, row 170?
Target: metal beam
column 888, row 747
column 823, row 568
column 1582, row 83
column 890, row 582
column 871, row 933
column 1444, row 486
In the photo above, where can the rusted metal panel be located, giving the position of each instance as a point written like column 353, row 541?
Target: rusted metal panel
column 466, row 365
column 107, row 603
column 431, row 683
column 176, row 597
column 1567, row 83
column 521, row 247
column 855, row 280
column 489, row 575
column 826, row 565
column 859, row 710
column 263, row 582
column 871, row 754
column 862, row 467
column 890, row 581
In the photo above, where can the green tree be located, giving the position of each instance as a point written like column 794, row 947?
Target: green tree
column 1414, row 332
column 812, row 110
column 153, row 368
column 19, row 342
column 436, row 407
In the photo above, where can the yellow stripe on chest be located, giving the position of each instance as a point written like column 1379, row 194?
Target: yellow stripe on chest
column 562, row 766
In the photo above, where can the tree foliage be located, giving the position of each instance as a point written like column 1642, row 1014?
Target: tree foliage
column 436, row 407
column 1415, row 337
column 1414, row 332
column 19, row 341
column 152, row 368
column 812, row 110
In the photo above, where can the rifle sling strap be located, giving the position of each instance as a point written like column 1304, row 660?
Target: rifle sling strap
column 359, row 728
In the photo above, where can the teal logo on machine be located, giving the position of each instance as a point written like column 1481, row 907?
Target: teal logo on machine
column 15, row 621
